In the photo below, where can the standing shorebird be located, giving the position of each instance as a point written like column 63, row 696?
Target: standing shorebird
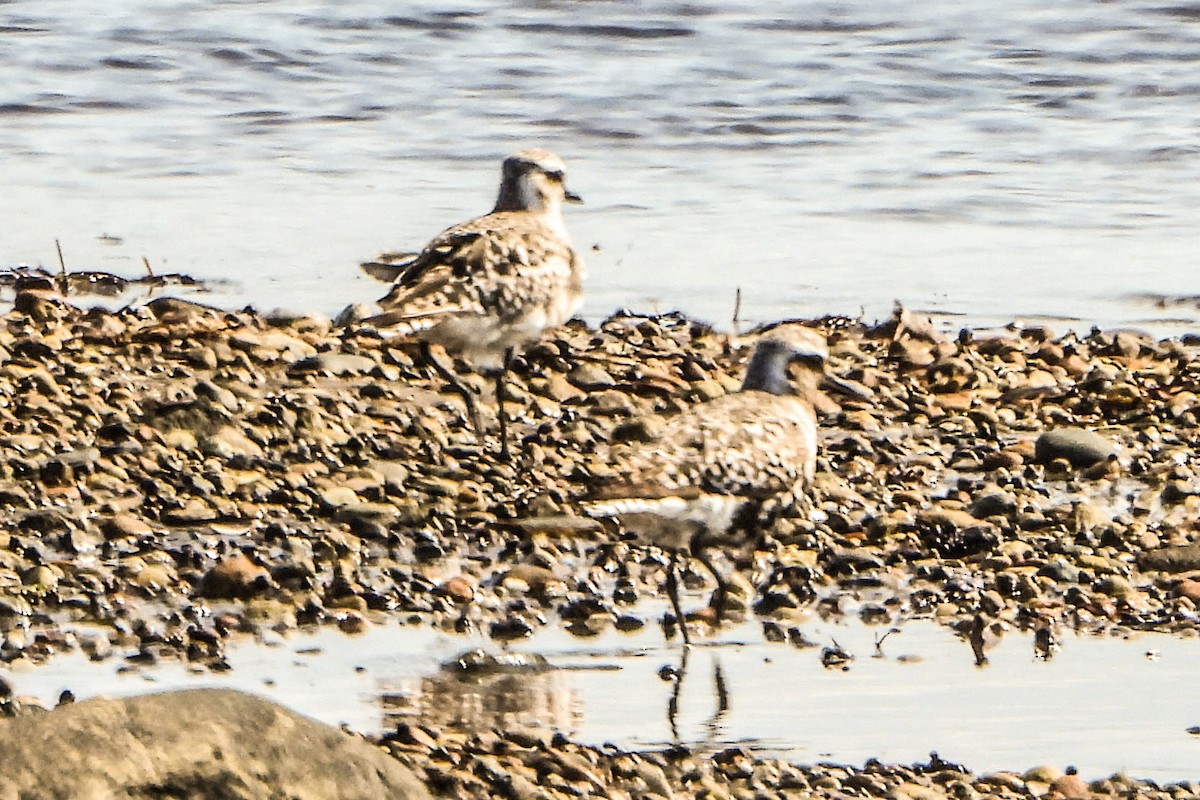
column 715, row 464
column 485, row 287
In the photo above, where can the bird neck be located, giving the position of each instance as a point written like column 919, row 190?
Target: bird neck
column 767, row 372
column 521, row 194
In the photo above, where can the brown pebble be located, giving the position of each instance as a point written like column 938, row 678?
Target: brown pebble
column 533, row 576
column 1008, row 458
column 561, row 390
column 1070, row 787
column 955, row 401
column 1189, row 588
column 120, row 525
column 911, row 353
column 234, row 576
column 458, row 589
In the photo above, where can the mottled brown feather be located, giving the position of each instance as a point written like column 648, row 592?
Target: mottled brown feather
column 749, row 444
column 494, row 282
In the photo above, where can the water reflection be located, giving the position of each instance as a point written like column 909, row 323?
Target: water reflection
column 910, row 688
column 676, row 676
column 479, row 691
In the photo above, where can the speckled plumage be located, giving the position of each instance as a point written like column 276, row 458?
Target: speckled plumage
column 496, row 282
column 686, row 489
column 748, row 446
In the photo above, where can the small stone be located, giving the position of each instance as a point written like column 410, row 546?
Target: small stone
column 912, row 353
column 338, row 496
column 352, row 512
column 1060, row 571
column 234, row 576
column 1177, row 492
column 353, row 314
column 560, row 525
column 627, row 623
column 180, row 439
column 333, row 364
column 1079, row 446
column 193, row 511
column 1042, row 774
column 955, row 401
column 229, row 442
column 394, row 473
column 1070, row 787
column 589, row 376
column 1115, row 586
column 510, row 629
column 120, row 525
column 458, row 589
column 560, row 390
column 614, row 403
column 1189, row 588
column 530, row 575
column 1181, row 558
column 708, row 390
column 639, row 429
column 155, row 578
column 173, row 311
column 993, row 502
column 415, row 735
column 96, row 646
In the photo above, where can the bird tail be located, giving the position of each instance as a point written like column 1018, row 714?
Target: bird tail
column 400, row 323
column 388, row 267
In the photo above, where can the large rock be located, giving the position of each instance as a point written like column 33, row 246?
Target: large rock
column 196, row 744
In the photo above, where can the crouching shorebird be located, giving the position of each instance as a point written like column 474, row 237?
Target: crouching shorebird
column 485, row 287
column 706, row 477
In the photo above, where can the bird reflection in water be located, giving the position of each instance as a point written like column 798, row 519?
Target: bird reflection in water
column 677, row 675
column 480, row 691
column 520, row 692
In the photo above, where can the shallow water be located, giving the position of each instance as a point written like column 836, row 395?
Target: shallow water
column 1102, row 704
column 993, row 161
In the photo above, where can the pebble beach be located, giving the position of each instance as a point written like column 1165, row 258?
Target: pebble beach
column 179, row 477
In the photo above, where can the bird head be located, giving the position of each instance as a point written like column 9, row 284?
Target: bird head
column 534, row 180
column 779, row 348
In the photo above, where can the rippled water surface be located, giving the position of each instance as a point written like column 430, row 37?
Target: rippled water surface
column 990, row 161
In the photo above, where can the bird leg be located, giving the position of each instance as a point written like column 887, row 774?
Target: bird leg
column 464, row 391
column 717, row 601
column 501, row 396
column 673, row 593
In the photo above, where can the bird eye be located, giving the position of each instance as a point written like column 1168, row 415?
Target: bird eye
column 554, row 175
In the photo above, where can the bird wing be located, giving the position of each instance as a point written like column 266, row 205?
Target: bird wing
column 489, row 265
column 748, row 444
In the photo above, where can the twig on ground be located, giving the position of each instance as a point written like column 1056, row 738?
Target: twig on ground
column 62, row 269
